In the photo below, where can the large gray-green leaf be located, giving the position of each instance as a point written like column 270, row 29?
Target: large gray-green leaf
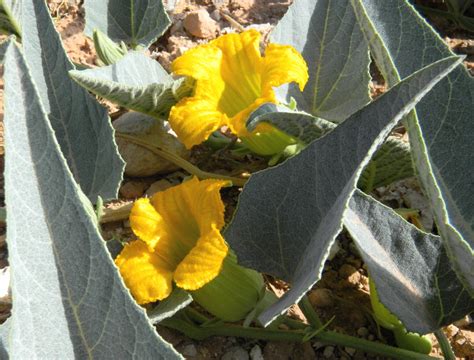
column 328, row 36
column 4, row 334
column 81, row 124
column 69, row 300
column 178, row 300
column 136, row 22
column 442, row 138
column 137, row 83
column 9, row 17
column 288, row 216
column 390, row 163
column 411, row 270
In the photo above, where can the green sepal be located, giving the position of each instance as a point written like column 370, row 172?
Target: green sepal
column 270, row 142
column 233, row 294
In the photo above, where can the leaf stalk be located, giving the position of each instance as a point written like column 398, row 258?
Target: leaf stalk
column 179, row 161
column 197, row 326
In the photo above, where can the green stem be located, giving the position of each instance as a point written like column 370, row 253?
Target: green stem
column 309, row 313
column 445, row 345
column 328, row 337
column 179, row 161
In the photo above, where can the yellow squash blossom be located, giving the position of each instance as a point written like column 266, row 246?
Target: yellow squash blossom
column 232, row 80
column 180, row 243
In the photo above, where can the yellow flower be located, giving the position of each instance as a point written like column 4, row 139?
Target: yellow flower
column 179, row 240
column 232, row 80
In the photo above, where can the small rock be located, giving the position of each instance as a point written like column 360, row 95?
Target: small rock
column 328, row 351
column 244, row 4
column 463, row 344
column 177, row 26
column 132, row 189
column 256, row 353
column 317, row 345
column 159, row 185
column 350, row 273
column 464, row 322
column 350, row 351
column 236, row 353
column 304, row 351
column 139, row 160
column 451, row 330
column 189, row 350
column 346, row 270
column 216, row 15
column 371, row 337
column 363, row 331
column 321, row 298
column 281, row 350
column 200, row 24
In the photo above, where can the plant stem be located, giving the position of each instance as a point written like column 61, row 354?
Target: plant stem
column 198, row 332
column 179, row 161
column 116, row 214
column 309, row 313
column 445, row 345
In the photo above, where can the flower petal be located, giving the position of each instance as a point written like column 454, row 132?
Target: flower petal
column 146, row 223
column 204, row 200
column 194, row 119
column 283, row 64
column 148, row 277
column 240, row 70
column 201, row 62
column 191, row 209
column 203, row 263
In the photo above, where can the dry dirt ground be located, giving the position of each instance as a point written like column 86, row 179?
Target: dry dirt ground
column 343, row 291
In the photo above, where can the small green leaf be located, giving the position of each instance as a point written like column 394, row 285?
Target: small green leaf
column 81, row 124
column 413, row 275
column 137, row 83
column 135, row 22
column 108, row 51
column 69, row 300
column 327, row 34
column 288, row 216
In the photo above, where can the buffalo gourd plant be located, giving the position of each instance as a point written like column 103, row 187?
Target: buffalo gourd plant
column 310, row 108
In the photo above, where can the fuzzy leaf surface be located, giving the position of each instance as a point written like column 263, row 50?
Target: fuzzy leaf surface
column 412, row 273
column 135, row 22
column 441, row 131
column 288, row 216
column 327, row 34
column 69, row 299
column 81, row 124
column 178, row 300
column 390, row 163
column 4, row 333
column 137, row 83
